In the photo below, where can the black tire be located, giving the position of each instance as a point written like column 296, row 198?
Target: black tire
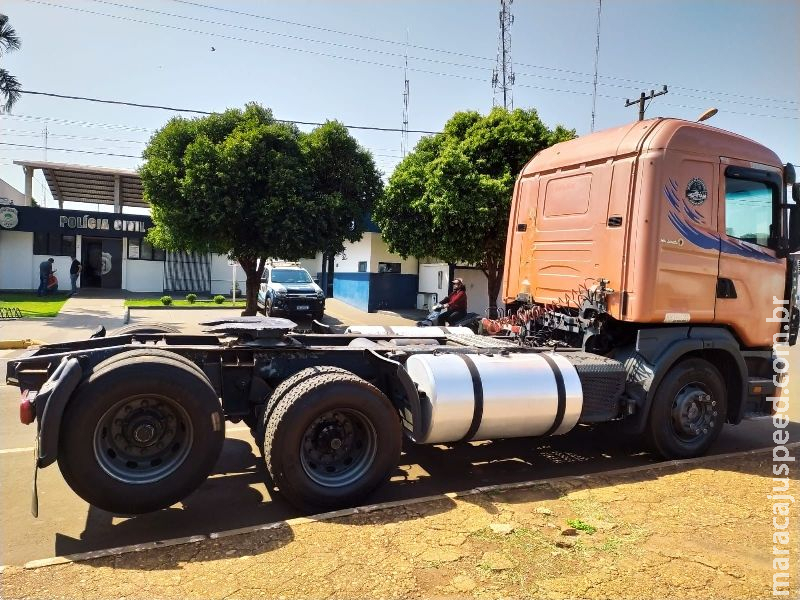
column 268, row 310
column 150, row 352
column 135, row 328
column 119, row 404
column 318, row 316
column 688, row 411
column 330, row 441
column 283, row 387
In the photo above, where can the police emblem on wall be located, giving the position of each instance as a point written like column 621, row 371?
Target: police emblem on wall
column 8, row 217
column 696, row 191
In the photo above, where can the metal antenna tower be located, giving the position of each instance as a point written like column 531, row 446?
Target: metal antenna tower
column 503, row 75
column 404, row 134
column 596, row 62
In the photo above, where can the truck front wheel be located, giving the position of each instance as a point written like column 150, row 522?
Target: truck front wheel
column 140, row 434
column 330, row 441
column 688, row 410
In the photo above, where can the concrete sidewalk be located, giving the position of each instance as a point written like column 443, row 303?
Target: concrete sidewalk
column 79, row 316
column 701, row 528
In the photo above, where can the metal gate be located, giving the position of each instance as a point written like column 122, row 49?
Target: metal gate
column 187, row 272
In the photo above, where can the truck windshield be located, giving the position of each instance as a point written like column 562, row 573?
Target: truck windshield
column 290, row 276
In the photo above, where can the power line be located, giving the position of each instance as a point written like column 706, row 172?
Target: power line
column 464, row 54
column 368, row 51
column 205, row 112
column 68, row 150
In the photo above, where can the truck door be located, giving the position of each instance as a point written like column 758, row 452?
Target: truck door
column 750, row 273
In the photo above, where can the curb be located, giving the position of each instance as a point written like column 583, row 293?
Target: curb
column 327, row 516
column 18, row 344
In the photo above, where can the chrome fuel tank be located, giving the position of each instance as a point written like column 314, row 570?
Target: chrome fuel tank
column 482, row 396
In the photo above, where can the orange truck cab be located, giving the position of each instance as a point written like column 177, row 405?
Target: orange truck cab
column 657, row 243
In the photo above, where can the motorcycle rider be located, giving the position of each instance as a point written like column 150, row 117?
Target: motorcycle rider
column 455, row 304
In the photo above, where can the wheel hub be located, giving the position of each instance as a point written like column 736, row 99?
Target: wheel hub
column 143, row 439
column 693, row 412
column 338, row 447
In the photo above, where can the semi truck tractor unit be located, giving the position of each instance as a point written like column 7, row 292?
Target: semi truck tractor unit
column 648, row 279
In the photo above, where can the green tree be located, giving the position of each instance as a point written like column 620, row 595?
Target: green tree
column 343, row 177
column 10, row 87
column 243, row 183
column 451, row 197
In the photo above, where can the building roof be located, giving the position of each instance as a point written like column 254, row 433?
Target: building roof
column 95, row 185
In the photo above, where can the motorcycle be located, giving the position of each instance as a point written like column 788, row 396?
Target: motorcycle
column 470, row 319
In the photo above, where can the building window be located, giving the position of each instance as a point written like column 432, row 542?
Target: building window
column 53, row 244
column 362, row 266
column 142, row 250
column 387, row 267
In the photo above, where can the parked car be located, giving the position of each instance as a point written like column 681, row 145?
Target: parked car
column 289, row 290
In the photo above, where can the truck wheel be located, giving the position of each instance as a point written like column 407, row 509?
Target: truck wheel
column 150, row 352
column 281, row 390
column 140, row 434
column 688, row 410
column 330, row 441
column 135, row 328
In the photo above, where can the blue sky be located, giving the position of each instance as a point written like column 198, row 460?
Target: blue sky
column 317, row 60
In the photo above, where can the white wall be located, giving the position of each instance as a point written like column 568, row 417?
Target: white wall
column 143, row 276
column 12, row 193
column 222, row 276
column 16, row 261
column 312, row 265
column 477, row 289
column 380, row 253
column 353, row 254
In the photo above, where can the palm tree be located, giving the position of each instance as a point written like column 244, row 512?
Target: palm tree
column 10, row 87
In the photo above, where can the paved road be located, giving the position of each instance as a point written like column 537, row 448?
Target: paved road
column 235, row 495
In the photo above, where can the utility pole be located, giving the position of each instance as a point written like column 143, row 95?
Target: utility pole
column 596, row 62
column 503, row 75
column 404, row 134
column 642, row 99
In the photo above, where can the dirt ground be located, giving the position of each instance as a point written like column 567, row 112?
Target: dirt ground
column 702, row 530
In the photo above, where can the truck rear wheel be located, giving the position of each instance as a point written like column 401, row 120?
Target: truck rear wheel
column 688, row 410
column 331, row 440
column 140, row 434
column 281, row 390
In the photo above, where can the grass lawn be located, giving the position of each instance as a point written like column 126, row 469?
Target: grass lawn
column 31, row 305
column 134, row 302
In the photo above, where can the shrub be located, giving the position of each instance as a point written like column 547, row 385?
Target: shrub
column 191, row 298
column 219, row 299
column 166, row 300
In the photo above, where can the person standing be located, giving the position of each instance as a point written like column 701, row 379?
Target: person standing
column 45, row 270
column 74, row 271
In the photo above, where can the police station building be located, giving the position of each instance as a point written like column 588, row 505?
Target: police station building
column 109, row 243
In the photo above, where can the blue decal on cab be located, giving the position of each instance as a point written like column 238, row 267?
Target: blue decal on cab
column 704, row 239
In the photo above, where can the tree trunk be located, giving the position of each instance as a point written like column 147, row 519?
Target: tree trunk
column 493, row 269
column 253, row 269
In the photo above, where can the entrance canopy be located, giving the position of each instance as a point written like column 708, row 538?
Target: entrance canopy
column 94, row 185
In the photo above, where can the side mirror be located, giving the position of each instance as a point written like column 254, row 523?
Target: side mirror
column 794, row 220
column 316, row 280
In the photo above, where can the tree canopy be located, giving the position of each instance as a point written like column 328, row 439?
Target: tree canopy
column 243, row 183
column 450, row 198
column 10, row 88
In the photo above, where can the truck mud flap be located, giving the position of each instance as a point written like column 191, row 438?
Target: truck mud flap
column 50, row 404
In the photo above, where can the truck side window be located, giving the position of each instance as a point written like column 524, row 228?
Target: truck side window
column 748, row 210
